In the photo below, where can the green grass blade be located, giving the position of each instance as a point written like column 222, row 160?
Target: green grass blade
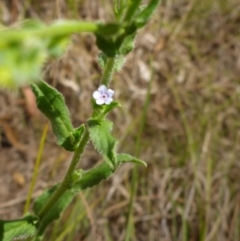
column 36, row 168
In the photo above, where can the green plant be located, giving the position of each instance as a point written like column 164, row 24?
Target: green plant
column 23, row 51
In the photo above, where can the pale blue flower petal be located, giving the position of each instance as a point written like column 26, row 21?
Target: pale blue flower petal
column 108, row 101
column 96, row 95
column 100, row 101
column 103, row 95
column 110, row 92
column 102, row 88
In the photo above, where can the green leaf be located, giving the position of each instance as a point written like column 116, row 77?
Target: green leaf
column 101, row 111
column 76, row 175
column 120, row 7
column 127, row 44
column 74, row 137
column 103, row 141
column 144, row 15
column 55, row 212
column 18, row 229
column 93, row 177
column 107, row 45
column 52, row 104
column 119, row 62
column 132, row 8
column 108, row 108
column 78, row 133
column 102, row 59
column 123, row 157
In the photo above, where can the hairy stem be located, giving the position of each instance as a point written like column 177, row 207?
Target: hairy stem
column 108, row 71
column 67, row 182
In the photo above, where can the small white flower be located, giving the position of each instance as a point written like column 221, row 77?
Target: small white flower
column 103, row 95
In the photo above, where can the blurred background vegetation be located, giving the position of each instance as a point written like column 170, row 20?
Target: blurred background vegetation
column 180, row 96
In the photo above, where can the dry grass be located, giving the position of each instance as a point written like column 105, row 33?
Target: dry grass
column 190, row 190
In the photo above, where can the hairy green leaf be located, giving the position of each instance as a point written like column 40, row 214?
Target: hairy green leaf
column 102, row 59
column 78, row 133
column 127, row 44
column 101, row 111
column 93, row 177
column 108, row 108
column 144, row 15
column 18, row 229
column 52, row 104
column 123, row 157
column 103, row 141
column 119, row 62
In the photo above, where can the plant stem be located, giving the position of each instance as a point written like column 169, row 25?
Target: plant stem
column 67, row 182
column 67, row 28
column 108, row 71
column 133, row 6
column 56, row 29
